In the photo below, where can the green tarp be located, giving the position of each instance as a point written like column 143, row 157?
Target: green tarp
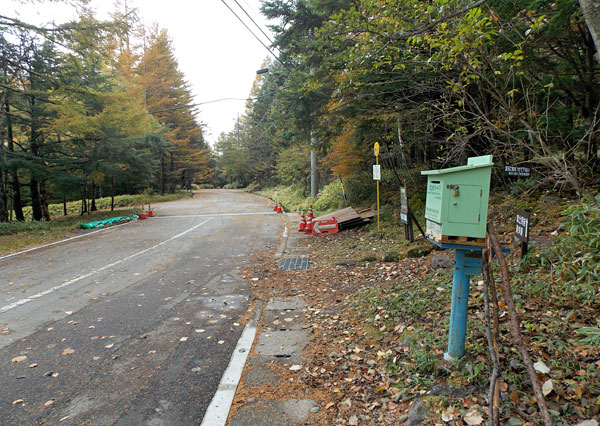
column 107, row 222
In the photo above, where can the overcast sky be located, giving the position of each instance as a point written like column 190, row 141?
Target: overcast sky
column 218, row 56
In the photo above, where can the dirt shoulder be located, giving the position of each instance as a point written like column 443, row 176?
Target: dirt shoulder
column 379, row 331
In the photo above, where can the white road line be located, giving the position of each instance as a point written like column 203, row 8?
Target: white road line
column 61, row 241
column 218, row 410
column 214, row 214
column 95, row 271
column 283, row 243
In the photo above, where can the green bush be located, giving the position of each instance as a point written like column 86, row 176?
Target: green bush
column 293, row 198
column 576, row 255
column 522, row 186
column 330, row 198
column 253, row 187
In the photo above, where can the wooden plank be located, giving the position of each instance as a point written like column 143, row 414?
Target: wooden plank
column 343, row 215
column 464, row 241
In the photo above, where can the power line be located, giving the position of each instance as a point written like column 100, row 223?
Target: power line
column 254, row 22
column 211, row 102
column 256, row 37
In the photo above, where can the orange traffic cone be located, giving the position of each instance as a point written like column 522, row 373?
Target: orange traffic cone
column 302, row 226
column 309, row 221
column 150, row 211
column 275, row 206
column 143, row 214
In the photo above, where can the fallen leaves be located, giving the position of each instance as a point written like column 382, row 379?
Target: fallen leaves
column 68, row 351
column 473, row 418
column 367, row 347
column 547, row 387
column 19, row 358
column 540, row 367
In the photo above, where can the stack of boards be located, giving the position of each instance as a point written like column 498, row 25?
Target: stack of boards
column 349, row 217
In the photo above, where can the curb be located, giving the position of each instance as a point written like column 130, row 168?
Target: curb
column 218, row 411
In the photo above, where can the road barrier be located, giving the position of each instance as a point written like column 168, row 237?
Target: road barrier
column 325, row 226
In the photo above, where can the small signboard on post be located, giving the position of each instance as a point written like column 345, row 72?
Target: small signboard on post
column 522, row 230
column 514, row 171
column 376, row 172
column 405, row 216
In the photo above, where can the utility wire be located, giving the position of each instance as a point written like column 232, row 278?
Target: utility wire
column 255, row 36
column 254, row 22
column 211, row 102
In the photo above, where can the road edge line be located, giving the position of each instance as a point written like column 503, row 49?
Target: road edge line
column 218, row 411
column 61, row 241
column 284, row 239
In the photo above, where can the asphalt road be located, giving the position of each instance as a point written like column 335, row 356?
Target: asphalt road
column 133, row 325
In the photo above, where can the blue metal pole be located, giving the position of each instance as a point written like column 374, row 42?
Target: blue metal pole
column 458, row 308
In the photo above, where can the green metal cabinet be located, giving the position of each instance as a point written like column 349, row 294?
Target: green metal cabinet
column 457, row 202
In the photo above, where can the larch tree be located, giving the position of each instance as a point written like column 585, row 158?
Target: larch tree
column 168, row 98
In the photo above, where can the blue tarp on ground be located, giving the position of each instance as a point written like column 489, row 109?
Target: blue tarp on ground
column 107, row 222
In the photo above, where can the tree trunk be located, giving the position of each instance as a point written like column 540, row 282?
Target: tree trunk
column 3, row 172
column 93, row 208
column 83, row 199
column 112, row 193
column 44, row 199
column 36, row 205
column 162, row 174
column 172, row 174
column 16, row 186
column 3, row 197
column 591, row 14
column 64, row 205
column 3, row 182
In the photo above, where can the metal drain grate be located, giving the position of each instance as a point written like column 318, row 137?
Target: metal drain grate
column 295, row 263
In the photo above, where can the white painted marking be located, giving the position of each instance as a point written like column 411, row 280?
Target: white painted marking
column 215, row 214
column 317, row 227
column 95, row 271
column 61, row 241
column 283, row 244
column 218, row 410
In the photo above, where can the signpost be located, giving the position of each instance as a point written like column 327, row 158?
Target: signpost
column 405, row 216
column 377, row 177
column 522, row 230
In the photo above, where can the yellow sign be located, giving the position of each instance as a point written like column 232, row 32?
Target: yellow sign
column 377, row 177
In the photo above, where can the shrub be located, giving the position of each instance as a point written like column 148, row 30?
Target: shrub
column 576, row 255
column 253, row 187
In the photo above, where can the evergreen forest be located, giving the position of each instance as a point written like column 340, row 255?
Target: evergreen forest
column 93, row 108
column 433, row 82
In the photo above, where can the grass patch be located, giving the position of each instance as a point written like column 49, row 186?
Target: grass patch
column 16, row 236
column 74, row 207
column 293, row 198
